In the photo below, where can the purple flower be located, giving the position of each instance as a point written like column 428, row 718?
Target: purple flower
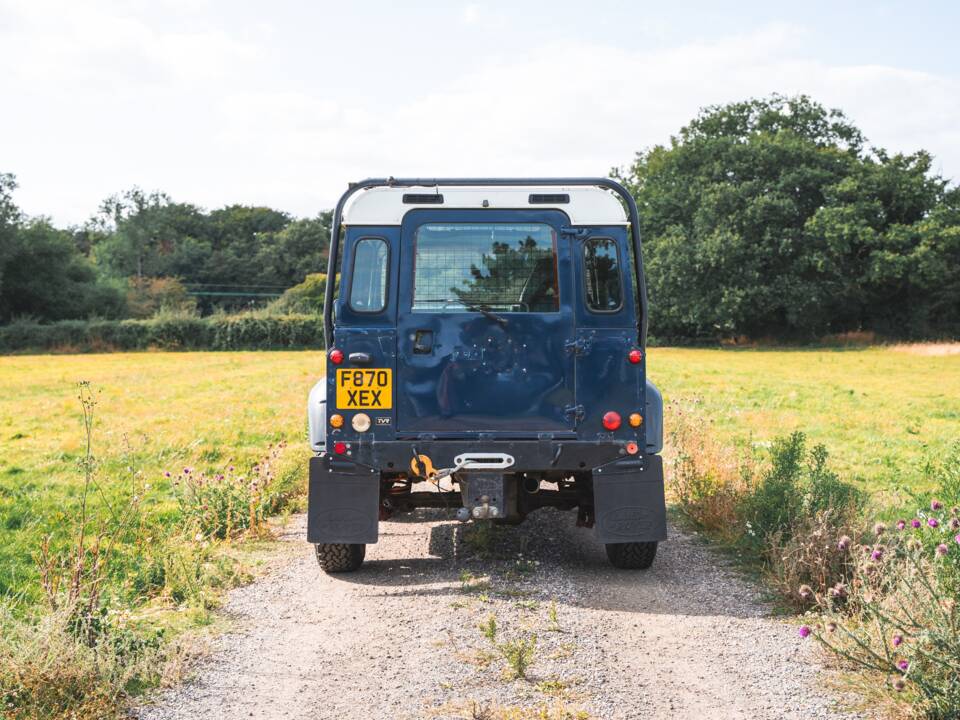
column 186, row 471
column 935, row 505
column 933, row 522
column 957, row 538
column 955, row 523
column 167, row 474
column 831, row 627
column 942, row 549
column 877, row 554
column 899, row 684
column 844, row 543
column 901, row 524
column 897, row 640
column 805, row 631
column 903, row 665
column 915, row 523
column 805, row 592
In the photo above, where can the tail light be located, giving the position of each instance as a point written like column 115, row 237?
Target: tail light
column 635, row 356
column 336, row 356
column 632, row 448
column 636, row 420
column 611, row 420
column 336, row 420
column 340, row 448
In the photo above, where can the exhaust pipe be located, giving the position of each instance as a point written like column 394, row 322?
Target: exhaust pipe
column 531, row 485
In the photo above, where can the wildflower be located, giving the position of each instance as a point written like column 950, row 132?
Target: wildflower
column 933, row 522
column 901, row 524
column 186, row 471
column 831, row 627
column 167, row 474
column 877, row 554
column 805, row 631
column 942, row 549
column 935, row 505
column 915, row 522
column 899, row 684
column 230, row 469
column 897, row 640
column 957, row 538
column 844, row 543
column 805, row 592
column 198, row 537
column 903, row 665
column 955, row 523
column 879, row 529
column 955, row 510
column 839, row 590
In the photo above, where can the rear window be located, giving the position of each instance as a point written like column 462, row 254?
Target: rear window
column 496, row 266
column 368, row 288
column 601, row 264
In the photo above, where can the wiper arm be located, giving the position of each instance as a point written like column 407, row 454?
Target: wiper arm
column 488, row 313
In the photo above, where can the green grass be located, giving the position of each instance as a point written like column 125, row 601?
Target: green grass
column 155, row 412
column 880, row 411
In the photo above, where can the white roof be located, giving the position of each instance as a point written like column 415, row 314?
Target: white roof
column 385, row 206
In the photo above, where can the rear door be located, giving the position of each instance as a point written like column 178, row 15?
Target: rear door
column 484, row 324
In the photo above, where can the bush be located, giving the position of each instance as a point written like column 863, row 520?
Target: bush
column 168, row 331
column 897, row 617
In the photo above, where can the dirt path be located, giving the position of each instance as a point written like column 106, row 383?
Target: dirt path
column 401, row 638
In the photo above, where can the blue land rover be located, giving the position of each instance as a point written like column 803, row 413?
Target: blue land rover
column 488, row 338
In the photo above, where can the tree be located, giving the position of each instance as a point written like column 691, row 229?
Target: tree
column 770, row 218
column 46, row 277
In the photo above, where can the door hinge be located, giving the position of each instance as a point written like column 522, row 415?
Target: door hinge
column 575, row 411
column 574, row 231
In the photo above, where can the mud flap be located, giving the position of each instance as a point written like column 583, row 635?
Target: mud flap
column 628, row 501
column 343, row 503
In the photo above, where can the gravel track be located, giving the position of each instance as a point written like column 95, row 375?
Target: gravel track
column 401, row 638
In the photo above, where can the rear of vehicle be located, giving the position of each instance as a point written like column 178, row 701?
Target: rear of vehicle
column 488, row 337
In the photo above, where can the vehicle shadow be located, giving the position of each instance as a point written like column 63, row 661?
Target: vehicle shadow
column 428, row 554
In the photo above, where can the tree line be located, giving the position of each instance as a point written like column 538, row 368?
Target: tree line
column 772, row 217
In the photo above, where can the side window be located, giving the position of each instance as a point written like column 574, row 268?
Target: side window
column 601, row 265
column 368, row 284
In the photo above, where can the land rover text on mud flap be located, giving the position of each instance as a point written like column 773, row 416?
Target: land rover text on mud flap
column 487, row 336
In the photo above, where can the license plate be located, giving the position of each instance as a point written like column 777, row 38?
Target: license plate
column 364, row 389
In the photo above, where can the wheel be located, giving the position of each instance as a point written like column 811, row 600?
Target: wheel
column 340, row 557
column 632, row 556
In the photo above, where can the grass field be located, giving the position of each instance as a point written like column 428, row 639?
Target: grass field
column 880, row 412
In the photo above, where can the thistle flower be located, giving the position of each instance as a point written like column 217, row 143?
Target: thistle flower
column 901, row 524
column 903, row 665
column 899, row 684
column 933, row 522
column 805, row 592
column 831, row 627
column 957, row 538
column 915, row 522
column 877, row 554
column 839, row 590
column 844, row 543
column 942, row 549
column 879, row 529
column 186, row 471
column 897, row 640
column 167, row 474
column 955, row 523
column 805, row 631
column 936, row 505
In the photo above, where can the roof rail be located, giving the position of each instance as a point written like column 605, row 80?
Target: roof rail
column 504, row 182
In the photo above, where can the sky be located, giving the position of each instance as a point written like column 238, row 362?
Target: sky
column 284, row 103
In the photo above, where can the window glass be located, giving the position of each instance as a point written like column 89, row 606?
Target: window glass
column 485, row 266
column 601, row 263
column 368, row 288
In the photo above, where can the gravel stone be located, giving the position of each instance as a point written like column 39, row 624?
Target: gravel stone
column 400, row 638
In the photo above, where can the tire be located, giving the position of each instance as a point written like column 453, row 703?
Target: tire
column 340, row 557
column 632, row 556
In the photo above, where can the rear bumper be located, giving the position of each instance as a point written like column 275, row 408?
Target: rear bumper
column 529, row 455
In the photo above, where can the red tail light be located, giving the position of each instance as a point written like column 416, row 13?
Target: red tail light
column 611, row 421
column 635, row 356
column 336, row 356
column 340, row 448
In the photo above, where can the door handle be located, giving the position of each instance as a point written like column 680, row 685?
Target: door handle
column 422, row 342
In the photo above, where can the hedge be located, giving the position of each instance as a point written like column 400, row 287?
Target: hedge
column 219, row 332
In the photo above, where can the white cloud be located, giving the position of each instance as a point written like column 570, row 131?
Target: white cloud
column 107, row 100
